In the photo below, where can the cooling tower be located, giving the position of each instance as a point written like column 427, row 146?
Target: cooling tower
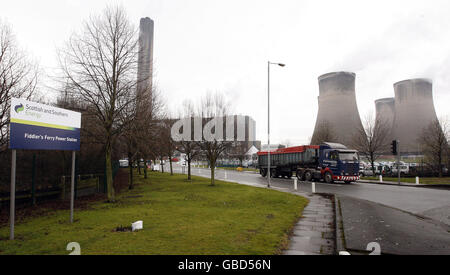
column 385, row 112
column 337, row 108
column 414, row 111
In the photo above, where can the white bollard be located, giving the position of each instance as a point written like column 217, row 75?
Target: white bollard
column 295, row 184
column 313, row 185
column 225, row 174
column 381, row 178
column 417, row 180
column 137, row 226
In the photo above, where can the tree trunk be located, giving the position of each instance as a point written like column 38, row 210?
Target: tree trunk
column 130, row 174
column 145, row 170
column 162, row 166
column 213, row 167
column 171, row 170
column 139, row 165
column 109, row 176
column 373, row 165
column 189, row 169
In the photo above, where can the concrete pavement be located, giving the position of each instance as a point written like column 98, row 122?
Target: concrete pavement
column 314, row 234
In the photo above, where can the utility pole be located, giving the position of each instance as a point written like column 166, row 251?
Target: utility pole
column 395, row 147
column 398, row 161
column 268, row 124
column 268, row 118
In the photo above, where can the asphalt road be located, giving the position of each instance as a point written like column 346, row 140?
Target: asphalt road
column 397, row 232
column 428, row 202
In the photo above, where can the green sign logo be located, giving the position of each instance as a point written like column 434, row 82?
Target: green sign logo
column 19, row 108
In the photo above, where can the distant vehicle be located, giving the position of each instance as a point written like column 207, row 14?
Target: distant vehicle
column 366, row 172
column 404, row 169
column 328, row 161
column 123, row 163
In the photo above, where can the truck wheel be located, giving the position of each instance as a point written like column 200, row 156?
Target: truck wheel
column 308, row 176
column 263, row 172
column 299, row 175
column 328, row 177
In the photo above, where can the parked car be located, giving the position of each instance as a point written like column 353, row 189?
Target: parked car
column 379, row 170
column 366, row 172
column 404, row 170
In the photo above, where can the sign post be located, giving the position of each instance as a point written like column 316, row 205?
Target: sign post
column 12, row 200
column 398, row 161
column 72, row 187
column 35, row 126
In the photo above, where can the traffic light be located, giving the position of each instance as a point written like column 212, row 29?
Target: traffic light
column 394, row 147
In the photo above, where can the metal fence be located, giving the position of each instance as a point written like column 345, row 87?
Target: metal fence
column 85, row 185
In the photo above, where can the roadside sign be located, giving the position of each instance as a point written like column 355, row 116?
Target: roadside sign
column 36, row 126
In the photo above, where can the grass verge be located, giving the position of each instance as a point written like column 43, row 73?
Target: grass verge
column 179, row 217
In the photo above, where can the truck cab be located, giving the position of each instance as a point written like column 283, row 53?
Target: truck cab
column 338, row 163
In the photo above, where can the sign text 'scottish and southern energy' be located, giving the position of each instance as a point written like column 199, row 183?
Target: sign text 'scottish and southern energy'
column 42, row 127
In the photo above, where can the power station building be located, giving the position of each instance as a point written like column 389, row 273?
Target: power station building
column 338, row 114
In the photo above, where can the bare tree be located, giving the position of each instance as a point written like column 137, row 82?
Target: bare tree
column 140, row 128
column 324, row 133
column 213, row 106
column 188, row 147
column 100, row 65
column 238, row 150
column 129, row 137
column 18, row 78
column 371, row 141
column 167, row 143
column 148, row 131
column 434, row 141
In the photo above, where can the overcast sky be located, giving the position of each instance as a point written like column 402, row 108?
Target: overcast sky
column 212, row 45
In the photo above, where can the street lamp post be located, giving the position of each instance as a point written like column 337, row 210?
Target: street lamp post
column 268, row 118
